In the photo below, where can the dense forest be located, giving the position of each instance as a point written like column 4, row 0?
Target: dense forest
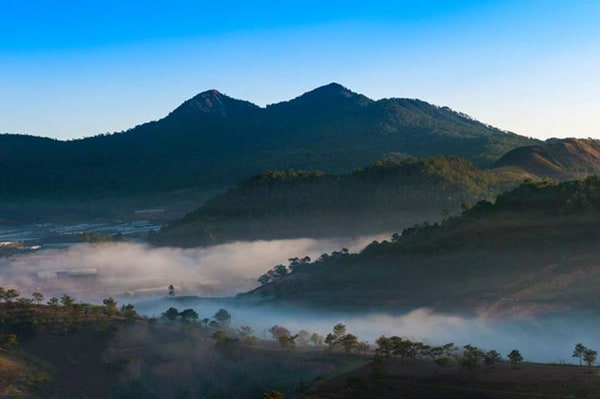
column 535, row 246
column 379, row 198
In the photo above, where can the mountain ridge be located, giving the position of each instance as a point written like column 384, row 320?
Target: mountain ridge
column 212, row 140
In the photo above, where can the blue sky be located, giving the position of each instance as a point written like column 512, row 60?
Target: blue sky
column 74, row 69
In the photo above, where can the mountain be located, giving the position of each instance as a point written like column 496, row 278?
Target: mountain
column 560, row 159
column 380, row 198
column 213, row 140
column 533, row 250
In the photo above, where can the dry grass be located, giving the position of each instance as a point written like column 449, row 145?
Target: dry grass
column 424, row 380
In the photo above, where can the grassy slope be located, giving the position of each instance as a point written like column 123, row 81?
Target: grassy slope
column 560, row 159
column 12, row 371
column 422, row 379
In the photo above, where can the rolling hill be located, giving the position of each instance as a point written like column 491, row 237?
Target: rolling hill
column 559, row 159
column 535, row 248
column 383, row 197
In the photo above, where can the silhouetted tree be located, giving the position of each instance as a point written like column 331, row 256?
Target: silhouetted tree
column 67, row 301
column 296, row 263
column 405, row 348
column 11, row 294
column 490, row 358
column 223, row 317
column 188, row 315
column 129, row 311
column 349, row 342
column 283, row 336
column 515, row 357
column 470, row 357
column 38, row 297
column 578, row 352
column 171, row 314
column 280, row 271
column 264, row 279
column 111, row 305
column 590, row 356
column 384, row 346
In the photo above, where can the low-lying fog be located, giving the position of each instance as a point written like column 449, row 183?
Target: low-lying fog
column 548, row 339
column 138, row 274
column 91, row 272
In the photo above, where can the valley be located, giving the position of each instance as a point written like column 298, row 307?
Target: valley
column 456, row 233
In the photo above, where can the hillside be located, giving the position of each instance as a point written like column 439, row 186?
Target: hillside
column 535, row 248
column 559, row 159
column 213, row 140
column 76, row 350
column 380, row 198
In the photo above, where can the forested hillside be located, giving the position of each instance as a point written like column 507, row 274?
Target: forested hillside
column 380, row 198
column 535, row 247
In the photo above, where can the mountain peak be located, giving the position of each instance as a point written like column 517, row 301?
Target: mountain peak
column 212, row 102
column 332, row 94
column 329, row 91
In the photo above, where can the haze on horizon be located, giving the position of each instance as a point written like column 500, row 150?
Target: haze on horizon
column 69, row 71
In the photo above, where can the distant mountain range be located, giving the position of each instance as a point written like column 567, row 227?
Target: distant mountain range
column 214, row 141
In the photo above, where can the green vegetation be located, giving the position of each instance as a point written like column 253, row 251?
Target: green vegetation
column 38, row 341
column 587, row 355
column 379, row 198
column 549, row 227
column 515, row 357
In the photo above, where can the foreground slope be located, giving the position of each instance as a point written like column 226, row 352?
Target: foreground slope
column 213, row 140
column 534, row 248
column 380, row 198
column 426, row 380
column 88, row 351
